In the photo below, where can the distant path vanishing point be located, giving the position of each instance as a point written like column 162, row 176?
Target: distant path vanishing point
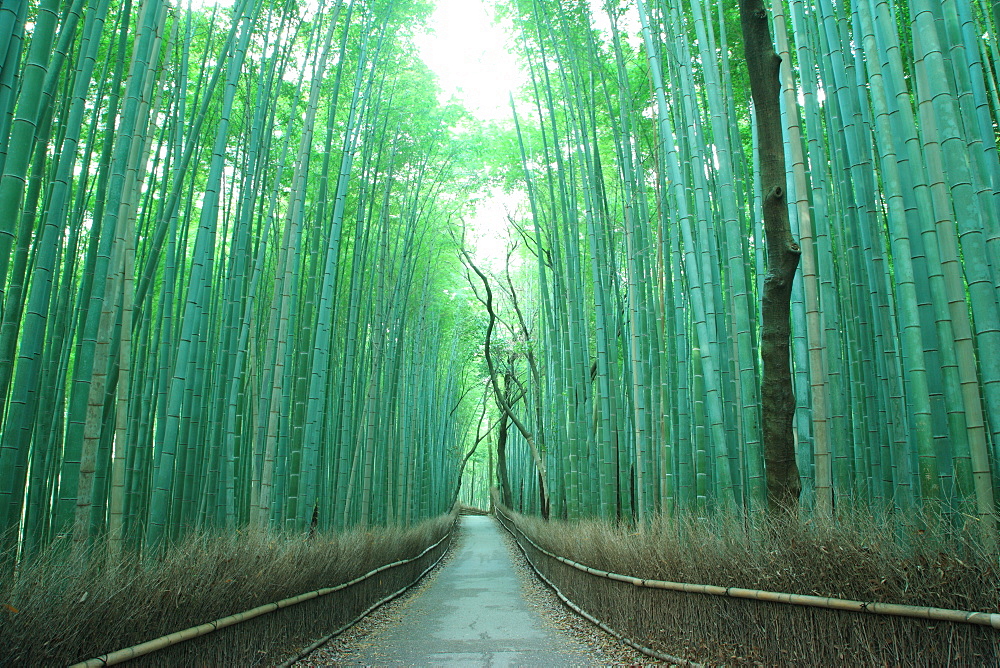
column 473, row 614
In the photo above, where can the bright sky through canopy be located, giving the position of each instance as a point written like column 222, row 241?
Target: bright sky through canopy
column 470, row 55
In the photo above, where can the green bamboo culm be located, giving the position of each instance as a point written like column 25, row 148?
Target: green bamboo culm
column 230, row 294
column 194, row 278
column 648, row 121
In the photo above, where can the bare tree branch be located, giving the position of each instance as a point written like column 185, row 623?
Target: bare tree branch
column 501, row 400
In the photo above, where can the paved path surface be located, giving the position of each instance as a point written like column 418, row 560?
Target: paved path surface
column 473, row 614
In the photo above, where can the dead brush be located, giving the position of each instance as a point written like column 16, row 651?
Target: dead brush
column 68, row 605
column 919, row 561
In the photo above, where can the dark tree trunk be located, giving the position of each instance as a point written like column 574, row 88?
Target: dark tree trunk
column 777, row 397
column 503, row 397
column 506, row 497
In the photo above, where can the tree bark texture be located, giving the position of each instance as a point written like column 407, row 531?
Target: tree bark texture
column 506, row 497
column 777, row 396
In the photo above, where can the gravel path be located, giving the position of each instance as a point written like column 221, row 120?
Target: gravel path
column 481, row 607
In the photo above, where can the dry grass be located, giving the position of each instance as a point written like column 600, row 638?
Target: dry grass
column 72, row 605
column 860, row 557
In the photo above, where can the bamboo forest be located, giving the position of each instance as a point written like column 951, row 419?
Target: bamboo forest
column 263, row 278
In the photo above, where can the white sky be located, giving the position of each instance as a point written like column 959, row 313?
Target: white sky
column 473, row 60
column 489, row 233
column 470, row 55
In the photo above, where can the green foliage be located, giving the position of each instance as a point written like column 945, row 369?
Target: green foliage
column 266, row 325
column 231, row 292
column 641, row 168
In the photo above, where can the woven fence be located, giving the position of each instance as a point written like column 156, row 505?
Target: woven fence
column 268, row 634
column 697, row 622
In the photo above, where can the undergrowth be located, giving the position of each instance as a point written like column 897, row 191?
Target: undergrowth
column 69, row 605
column 859, row 556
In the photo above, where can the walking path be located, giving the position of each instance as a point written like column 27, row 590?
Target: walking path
column 473, row 614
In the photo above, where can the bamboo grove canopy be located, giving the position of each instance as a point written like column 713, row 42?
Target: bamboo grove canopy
column 231, row 293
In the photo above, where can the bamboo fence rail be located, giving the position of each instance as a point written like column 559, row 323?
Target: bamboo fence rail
column 828, row 602
column 589, row 617
column 128, row 653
